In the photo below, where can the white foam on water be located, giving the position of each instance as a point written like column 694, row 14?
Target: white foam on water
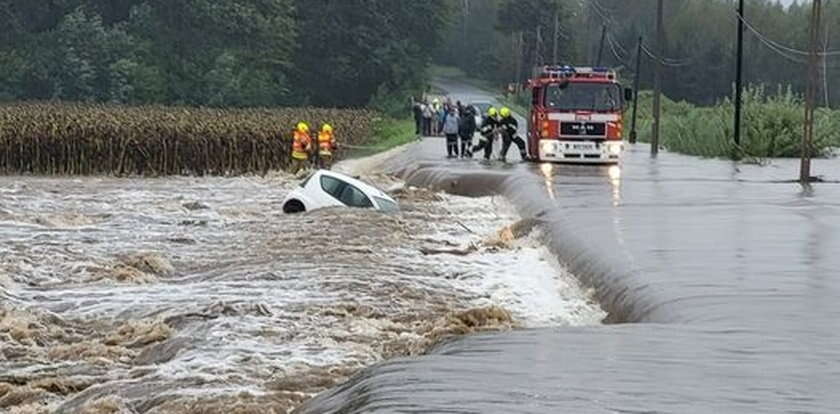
column 247, row 298
column 524, row 278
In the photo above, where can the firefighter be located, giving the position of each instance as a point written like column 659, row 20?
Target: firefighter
column 509, row 127
column 301, row 147
column 488, row 128
column 326, row 146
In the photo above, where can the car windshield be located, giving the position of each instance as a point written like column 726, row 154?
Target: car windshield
column 482, row 107
column 386, row 205
column 598, row 97
column 306, row 180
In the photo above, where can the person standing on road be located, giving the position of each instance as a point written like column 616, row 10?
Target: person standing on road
column 451, row 123
column 417, row 110
column 301, row 147
column 466, row 130
column 437, row 117
column 428, row 114
column 489, row 125
column 509, row 127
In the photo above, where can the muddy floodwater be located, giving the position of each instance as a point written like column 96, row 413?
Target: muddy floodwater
column 183, row 295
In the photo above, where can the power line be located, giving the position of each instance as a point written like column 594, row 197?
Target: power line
column 614, row 48
column 778, row 45
column 665, row 61
column 619, row 45
column 607, row 20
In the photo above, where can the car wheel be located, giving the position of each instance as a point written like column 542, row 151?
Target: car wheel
column 293, row 207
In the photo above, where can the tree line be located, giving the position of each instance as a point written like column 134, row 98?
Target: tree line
column 501, row 40
column 218, row 53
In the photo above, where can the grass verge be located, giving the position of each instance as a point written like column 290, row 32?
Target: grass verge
column 388, row 133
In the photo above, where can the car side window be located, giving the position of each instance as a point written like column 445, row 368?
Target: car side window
column 354, row 197
column 332, row 186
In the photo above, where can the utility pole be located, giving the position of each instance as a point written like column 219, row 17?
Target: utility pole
column 514, row 53
column 739, row 72
column 556, row 36
column 465, row 17
column 636, row 90
column 519, row 53
column 811, row 94
column 601, row 47
column 825, row 67
column 657, row 78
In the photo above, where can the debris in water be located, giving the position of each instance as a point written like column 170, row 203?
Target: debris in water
column 429, row 251
column 149, row 262
column 507, row 235
column 196, row 205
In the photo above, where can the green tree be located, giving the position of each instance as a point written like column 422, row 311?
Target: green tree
column 351, row 49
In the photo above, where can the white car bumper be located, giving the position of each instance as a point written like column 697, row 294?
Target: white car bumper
column 590, row 152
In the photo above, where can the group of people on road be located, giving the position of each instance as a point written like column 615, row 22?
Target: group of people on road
column 495, row 124
column 429, row 117
column 306, row 152
column 459, row 124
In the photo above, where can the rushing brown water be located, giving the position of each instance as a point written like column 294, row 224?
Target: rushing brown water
column 187, row 295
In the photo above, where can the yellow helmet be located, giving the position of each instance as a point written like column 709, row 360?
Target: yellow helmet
column 492, row 111
column 326, row 128
column 302, row 127
column 505, row 112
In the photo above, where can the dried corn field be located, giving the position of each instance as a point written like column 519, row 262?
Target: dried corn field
column 88, row 139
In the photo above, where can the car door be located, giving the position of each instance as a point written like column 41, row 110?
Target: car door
column 331, row 191
column 353, row 197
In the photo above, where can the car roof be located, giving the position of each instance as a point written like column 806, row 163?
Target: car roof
column 365, row 187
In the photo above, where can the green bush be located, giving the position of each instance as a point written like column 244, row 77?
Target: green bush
column 772, row 126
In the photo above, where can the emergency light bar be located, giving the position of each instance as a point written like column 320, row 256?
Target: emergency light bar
column 566, row 71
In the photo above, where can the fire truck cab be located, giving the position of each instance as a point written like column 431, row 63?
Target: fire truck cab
column 576, row 115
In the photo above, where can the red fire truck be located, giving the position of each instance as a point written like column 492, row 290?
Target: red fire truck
column 576, row 115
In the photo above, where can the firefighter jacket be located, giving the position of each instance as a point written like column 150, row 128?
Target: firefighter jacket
column 326, row 143
column 301, row 143
column 488, row 126
column 509, row 126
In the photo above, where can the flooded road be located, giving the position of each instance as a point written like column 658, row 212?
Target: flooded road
column 197, row 295
column 722, row 276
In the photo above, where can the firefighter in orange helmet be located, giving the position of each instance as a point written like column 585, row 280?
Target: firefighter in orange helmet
column 326, row 146
column 301, row 147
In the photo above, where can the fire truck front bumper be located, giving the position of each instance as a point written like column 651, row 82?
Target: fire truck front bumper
column 588, row 152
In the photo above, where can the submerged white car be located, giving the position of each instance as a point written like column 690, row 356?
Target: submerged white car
column 325, row 188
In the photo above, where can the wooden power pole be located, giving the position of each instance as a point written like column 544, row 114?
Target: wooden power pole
column 636, row 83
column 739, row 73
column 657, row 78
column 811, row 94
column 601, row 45
column 556, row 37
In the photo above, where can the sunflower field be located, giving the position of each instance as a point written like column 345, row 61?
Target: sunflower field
column 98, row 139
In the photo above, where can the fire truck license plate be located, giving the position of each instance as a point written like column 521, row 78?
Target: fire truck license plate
column 583, row 146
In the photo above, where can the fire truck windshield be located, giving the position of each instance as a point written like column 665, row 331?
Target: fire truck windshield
column 598, row 97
